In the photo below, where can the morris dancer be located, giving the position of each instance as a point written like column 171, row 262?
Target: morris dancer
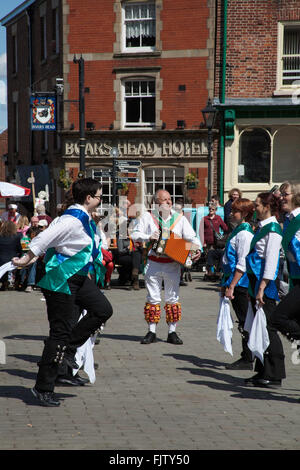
column 262, row 268
column 235, row 280
column 72, row 256
column 286, row 317
column 162, row 268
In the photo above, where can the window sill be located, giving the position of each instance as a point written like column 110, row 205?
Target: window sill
column 286, row 91
column 136, row 54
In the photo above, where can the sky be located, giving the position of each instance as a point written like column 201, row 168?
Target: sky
column 6, row 6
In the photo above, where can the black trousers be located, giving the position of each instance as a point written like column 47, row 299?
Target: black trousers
column 273, row 367
column 240, row 307
column 66, row 333
column 286, row 317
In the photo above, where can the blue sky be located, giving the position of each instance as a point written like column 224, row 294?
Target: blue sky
column 6, row 6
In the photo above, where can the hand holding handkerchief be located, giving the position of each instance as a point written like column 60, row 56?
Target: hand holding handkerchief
column 225, row 325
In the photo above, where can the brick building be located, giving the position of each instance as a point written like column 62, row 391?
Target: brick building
column 258, row 96
column 148, row 72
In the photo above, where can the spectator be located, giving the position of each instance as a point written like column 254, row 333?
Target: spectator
column 233, row 194
column 42, row 224
column 23, row 225
column 12, row 214
column 28, row 274
column 215, row 200
column 212, row 224
column 41, row 214
column 34, row 221
column 129, row 258
column 10, row 246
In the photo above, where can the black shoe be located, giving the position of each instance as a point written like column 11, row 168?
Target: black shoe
column 182, row 283
column 240, row 365
column 45, row 398
column 68, row 380
column 70, row 361
column 107, row 286
column 149, row 338
column 173, row 338
column 81, row 380
column 268, row 383
column 251, row 382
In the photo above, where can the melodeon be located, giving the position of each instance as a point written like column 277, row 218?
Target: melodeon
column 171, row 245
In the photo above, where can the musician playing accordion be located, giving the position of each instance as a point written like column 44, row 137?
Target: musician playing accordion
column 162, row 227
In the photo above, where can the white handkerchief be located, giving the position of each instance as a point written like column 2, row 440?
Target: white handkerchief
column 259, row 337
column 225, row 325
column 84, row 356
column 249, row 318
column 6, row 267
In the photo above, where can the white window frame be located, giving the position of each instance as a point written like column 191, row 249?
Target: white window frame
column 162, row 182
column 141, row 48
column 140, row 125
column 281, row 29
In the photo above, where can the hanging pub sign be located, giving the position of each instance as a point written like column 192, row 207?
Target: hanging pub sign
column 43, row 113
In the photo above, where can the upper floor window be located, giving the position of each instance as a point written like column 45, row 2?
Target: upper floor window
column 14, row 54
column 139, row 27
column 139, row 103
column 43, row 38
column 289, row 55
column 55, row 31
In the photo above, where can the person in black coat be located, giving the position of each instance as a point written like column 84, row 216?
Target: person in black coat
column 10, row 246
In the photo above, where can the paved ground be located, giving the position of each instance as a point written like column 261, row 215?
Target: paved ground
column 157, row 396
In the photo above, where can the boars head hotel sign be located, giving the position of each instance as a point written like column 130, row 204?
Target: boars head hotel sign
column 139, row 147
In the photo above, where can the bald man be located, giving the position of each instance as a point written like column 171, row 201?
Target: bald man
column 161, row 268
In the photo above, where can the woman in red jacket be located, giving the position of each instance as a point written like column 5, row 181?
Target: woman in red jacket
column 212, row 224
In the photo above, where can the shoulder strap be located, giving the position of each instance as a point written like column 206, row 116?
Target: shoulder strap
column 244, row 226
column 271, row 227
column 290, row 231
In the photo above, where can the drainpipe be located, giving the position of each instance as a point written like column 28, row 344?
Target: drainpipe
column 222, row 100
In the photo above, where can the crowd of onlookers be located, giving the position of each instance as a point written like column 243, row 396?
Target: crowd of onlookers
column 119, row 253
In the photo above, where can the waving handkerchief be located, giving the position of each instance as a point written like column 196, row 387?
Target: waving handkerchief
column 259, row 337
column 84, row 356
column 249, row 318
column 6, row 267
column 225, row 325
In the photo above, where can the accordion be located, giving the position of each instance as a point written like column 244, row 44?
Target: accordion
column 176, row 248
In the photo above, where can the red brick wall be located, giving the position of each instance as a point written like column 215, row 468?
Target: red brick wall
column 252, row 45
column 182, row 28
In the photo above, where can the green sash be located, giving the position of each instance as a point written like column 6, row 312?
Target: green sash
column 162, row 223
column 58, row 273
column 290, row 231
column 240, row 228
column 271, row 227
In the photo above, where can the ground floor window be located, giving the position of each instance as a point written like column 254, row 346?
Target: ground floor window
column 170, row 179
column 269, row 154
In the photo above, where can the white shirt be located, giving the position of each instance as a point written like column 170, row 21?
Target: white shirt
column 293, row 214
column 67, row 235
column 146, row 226
column 241, row 244
column 268, row 248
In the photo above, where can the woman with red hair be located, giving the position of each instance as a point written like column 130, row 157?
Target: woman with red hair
column 235, row 280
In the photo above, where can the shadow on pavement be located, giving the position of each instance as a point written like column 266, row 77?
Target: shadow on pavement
column 228, row 383
column 26, row 337
column 24, row 394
